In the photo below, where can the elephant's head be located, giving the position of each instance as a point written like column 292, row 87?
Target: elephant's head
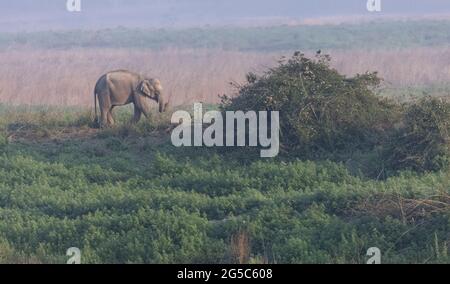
column 152, row 89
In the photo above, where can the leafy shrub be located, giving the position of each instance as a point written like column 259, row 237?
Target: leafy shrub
column 321, row 110
column 175, row 207
column 423, row 141
column 3, row 138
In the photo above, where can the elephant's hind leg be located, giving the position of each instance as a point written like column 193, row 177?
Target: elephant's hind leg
column 103, row 118
column 104, row 104
column 110, row 117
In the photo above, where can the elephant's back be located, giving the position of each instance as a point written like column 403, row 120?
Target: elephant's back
column 122, row 77
column 122, row 80
column 122, row 73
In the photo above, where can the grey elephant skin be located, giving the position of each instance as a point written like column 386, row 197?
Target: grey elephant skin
column 122, row 87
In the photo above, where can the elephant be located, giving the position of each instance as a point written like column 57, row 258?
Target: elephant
column 122, row 87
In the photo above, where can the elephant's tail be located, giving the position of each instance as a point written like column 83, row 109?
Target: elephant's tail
column 95, row 109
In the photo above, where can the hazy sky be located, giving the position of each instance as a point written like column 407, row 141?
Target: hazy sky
column 52, row 14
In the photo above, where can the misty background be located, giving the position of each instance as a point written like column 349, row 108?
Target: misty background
column 32, row 15
column 50, row 56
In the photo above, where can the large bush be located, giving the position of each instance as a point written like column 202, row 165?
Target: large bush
column 321, row 110
column 423, row 141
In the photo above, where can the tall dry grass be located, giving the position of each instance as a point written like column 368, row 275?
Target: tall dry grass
column 67, row 77
column 401, row 67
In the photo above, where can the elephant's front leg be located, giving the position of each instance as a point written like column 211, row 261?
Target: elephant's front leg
column 136, row 116
column 146, row 113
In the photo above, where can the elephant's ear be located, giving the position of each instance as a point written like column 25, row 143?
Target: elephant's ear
column 146, row 88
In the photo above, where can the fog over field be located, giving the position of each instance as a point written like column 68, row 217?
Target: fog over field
column 197, row 47
column 31, row 15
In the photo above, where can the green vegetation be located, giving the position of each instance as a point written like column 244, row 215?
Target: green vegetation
column 321, row 111
column 280, row 38
column 125, row 197
column 327, row 115
column 423, row 141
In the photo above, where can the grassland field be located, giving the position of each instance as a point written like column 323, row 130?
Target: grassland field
column 126, row 195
